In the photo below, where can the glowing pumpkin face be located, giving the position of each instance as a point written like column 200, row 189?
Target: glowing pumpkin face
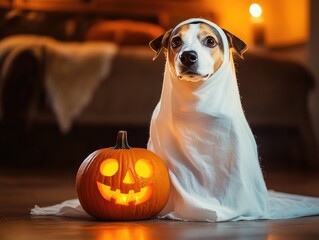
column 122, row 183
column 142, row 169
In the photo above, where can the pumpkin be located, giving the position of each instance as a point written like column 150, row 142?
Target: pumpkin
column 122, row 183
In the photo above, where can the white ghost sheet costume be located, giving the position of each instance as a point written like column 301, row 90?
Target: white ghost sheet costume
column 200, row 131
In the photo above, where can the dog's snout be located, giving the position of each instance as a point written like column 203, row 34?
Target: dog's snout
column 188, row 58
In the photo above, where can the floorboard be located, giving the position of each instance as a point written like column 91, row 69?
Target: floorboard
column 20, row 191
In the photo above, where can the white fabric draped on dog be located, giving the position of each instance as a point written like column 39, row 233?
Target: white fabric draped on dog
column 200, row 131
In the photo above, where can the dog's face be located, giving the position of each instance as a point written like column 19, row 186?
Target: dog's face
column 195, row 50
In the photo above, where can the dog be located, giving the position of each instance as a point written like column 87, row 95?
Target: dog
column 199, row 130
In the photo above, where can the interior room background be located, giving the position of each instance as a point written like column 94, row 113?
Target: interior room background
column 283, row 53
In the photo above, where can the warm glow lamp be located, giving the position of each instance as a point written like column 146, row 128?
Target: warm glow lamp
column 255, row 11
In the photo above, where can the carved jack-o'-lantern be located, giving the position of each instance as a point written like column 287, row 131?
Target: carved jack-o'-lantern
column 122, row 183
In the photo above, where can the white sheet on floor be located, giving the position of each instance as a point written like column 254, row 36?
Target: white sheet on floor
column 68, row 208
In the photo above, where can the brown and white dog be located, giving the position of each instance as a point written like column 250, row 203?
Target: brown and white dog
column 199, row 129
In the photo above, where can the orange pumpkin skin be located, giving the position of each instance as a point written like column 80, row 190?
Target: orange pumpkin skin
column 126, row 192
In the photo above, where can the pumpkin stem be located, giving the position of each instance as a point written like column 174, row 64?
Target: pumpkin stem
column 121, row 142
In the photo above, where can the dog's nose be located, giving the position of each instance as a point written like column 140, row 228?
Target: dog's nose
column 188, row 58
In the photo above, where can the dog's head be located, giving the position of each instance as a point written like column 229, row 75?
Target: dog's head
column 195, row 50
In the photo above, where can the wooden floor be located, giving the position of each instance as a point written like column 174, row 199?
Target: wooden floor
column 20, row 191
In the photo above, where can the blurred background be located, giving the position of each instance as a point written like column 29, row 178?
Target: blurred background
column 75, row 72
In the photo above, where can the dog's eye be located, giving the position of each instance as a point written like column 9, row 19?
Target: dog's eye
column 176, row 42
column 210, row 42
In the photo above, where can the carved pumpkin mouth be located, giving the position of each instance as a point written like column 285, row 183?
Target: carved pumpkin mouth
column 125, row 198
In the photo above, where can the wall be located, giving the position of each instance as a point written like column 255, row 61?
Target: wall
column 284, row 22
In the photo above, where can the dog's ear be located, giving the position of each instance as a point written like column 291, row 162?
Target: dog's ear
column 237, row 44
column 159, row 43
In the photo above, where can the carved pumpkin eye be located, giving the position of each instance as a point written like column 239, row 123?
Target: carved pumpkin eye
column 109, row 167
column 144, row 168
